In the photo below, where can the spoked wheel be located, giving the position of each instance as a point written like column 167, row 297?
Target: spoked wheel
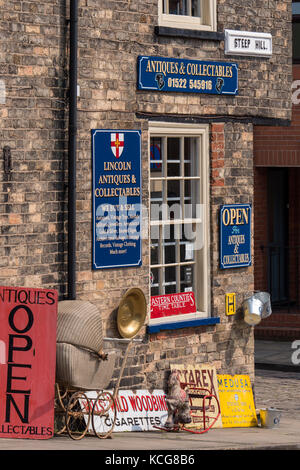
column 104, row 415
column 78, row 415
column 61, row 400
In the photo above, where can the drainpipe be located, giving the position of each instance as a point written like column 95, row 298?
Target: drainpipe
column 72, row 150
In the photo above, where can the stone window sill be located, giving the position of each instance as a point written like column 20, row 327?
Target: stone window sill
column 189, row 33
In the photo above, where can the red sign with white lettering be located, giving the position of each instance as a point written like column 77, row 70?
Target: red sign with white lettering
column 27, row 362
column 172, row 304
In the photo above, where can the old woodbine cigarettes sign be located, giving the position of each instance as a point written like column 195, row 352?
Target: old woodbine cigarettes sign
column 139, row 410
column 27, row 362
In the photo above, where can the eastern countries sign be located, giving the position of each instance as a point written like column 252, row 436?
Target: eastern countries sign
column 28, row 320
column 170, row 305
column 117, row 194
column 188, row 76
column 235, row 236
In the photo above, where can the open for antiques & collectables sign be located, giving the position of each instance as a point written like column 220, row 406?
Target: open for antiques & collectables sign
column 27, row 362
column 117, row 197
column 235, row 236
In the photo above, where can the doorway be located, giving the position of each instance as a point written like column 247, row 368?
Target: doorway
column 278, row 234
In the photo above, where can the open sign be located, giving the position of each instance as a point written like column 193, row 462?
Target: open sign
column 27, row 362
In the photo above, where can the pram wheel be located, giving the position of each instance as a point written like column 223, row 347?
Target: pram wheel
column 104, row 414
column 78, row 415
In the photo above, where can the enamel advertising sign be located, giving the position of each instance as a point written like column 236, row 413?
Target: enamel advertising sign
column 200, row 380
column 117, row 194
column 139, row 410
column 236, row 400
column 187, row 75
column 27, row 362
column 172, row 304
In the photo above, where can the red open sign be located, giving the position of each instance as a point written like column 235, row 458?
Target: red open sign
column 172, row 304
column 27, row 362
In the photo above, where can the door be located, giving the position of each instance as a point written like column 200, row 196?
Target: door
column 278, row 234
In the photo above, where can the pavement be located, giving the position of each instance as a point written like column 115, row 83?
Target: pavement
column 277, row 385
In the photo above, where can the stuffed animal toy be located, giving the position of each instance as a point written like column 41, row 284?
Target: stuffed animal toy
column 177, row 402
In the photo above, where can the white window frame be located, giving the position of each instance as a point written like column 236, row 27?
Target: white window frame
column 203, row 298
column 207, row 22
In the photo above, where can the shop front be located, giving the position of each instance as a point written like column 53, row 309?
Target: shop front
column 161, row 182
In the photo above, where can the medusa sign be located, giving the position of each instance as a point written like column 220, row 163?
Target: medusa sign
column 27, row 362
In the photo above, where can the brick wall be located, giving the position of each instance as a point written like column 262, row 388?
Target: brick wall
column 33, row 68
column 32, row 125
column 280, row 146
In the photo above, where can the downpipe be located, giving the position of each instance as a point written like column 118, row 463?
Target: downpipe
column 72, row 150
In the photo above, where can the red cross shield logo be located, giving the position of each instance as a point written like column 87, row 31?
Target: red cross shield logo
column 117, row 143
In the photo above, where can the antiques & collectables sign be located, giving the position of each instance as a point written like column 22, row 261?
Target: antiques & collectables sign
column 167, row 74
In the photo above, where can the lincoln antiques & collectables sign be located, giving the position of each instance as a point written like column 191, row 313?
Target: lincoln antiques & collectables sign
column 27, row 362
column 186, row 75
column 117, row 197
column 235, row 236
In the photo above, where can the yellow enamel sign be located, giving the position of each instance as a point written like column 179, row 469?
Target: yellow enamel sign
column 202, row 377
column 236, row 400
column 230, row 302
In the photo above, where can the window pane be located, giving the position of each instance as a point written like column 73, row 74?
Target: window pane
column 156, row 157
column 296, row 8
column 187, row 252
column 170, row 252
column 178, row 7
column 191, row 198
column 173, row 192
column 154, row 281
column 171, row 234
column 191, row 157
column 154, row 253
column 296, row 41
column 173, row 146
column 196, row 8
column 187, row 277
column 170, row 277
column 156, row 199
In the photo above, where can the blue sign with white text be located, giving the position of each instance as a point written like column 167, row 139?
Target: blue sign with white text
column 186, row 75
column 235, row 236
column 117, row 193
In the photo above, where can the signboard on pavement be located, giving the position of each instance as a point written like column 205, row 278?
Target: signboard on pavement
column 27, row 362
column 139, row 410
column 236, row 400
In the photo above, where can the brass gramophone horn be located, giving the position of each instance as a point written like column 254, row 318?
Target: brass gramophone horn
column 131, row 313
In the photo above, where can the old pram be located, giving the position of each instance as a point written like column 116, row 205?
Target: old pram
column 84, row 369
